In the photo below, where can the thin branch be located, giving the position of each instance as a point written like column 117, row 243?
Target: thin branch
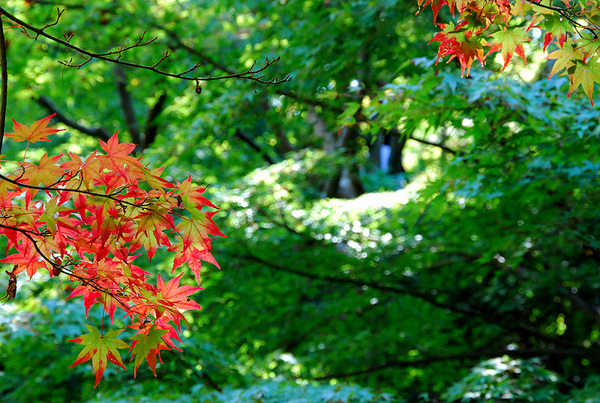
column 239, row 134
column 249, row 74
column 127, row 105
column 372, row 284
column 4, row 84
column 99, row 132
column 535, row 352
column 61, row 268
column 57, row 3
column 151, row 127
column 310, row 101
column 563, row 12
column 429, row 143
column 75, row 190
column 202, row 376
column 410, row 291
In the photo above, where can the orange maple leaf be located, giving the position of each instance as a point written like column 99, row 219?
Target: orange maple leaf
column 35, row 132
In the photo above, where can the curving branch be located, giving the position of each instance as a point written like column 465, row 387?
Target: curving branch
column 564, row 12
column 127, row 105
column 97, row 132
column 151, row 127
column 430, row 143
column 527, row 353
column 62, row 267
column 409, row 290
column 251, row 73
column 52, row 188
column 242, row 136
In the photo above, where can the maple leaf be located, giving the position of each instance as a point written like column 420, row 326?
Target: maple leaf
column 160, row 323
column 147, row 346
column 509, row 41
column 466, row 50
column 565, row 57
column 46, row 172
column 34, row 133
column 100, row 349
column 195, row 242
column 118, row 157
column 585, row 74
column 191, row 196
column 193, row 256
column 150, row 229
column 555, row 27
column 26, row 259
column 173, row 296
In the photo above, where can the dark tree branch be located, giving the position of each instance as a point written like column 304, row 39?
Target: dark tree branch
column 404, row 290
column 429, row 143
column 151, row 127
column 298, row 339
column 127, row 106
column 310, row 101
column 100, row 132
column 284, row 143
column 411, row 291
column 249, row 74
column 239, row 134
column 57, row 3
column 180, row 44
column 202, row 376
column 3, row 84
column 591, row 310
column 529, row 353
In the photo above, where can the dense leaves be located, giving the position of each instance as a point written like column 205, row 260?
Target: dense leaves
column 503, row 26
column 395, row 232
column 89, row 218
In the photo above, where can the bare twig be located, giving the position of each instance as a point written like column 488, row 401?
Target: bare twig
column 248, row 74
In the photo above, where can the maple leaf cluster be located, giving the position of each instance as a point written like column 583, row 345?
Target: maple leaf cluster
column 503, row 26
column 89, row 219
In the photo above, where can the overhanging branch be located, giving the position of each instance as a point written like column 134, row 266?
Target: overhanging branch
column 529, row 353
column 251, row 73
column 99, row 132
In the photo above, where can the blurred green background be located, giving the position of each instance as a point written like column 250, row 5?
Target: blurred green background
column 395, row 232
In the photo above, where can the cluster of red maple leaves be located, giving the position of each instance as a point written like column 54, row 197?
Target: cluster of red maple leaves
column 89, row 219
column 504, row 25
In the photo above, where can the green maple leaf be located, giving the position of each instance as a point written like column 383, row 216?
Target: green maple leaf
column 100, row 349
column 556, row 26
column 147, row 346
column 586, row 74
column 509, row 41
column 565, row 57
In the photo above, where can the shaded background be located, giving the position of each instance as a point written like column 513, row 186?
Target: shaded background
column 394, row 231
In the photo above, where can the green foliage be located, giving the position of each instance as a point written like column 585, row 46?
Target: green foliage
column 489, row 249
column 505, row 379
